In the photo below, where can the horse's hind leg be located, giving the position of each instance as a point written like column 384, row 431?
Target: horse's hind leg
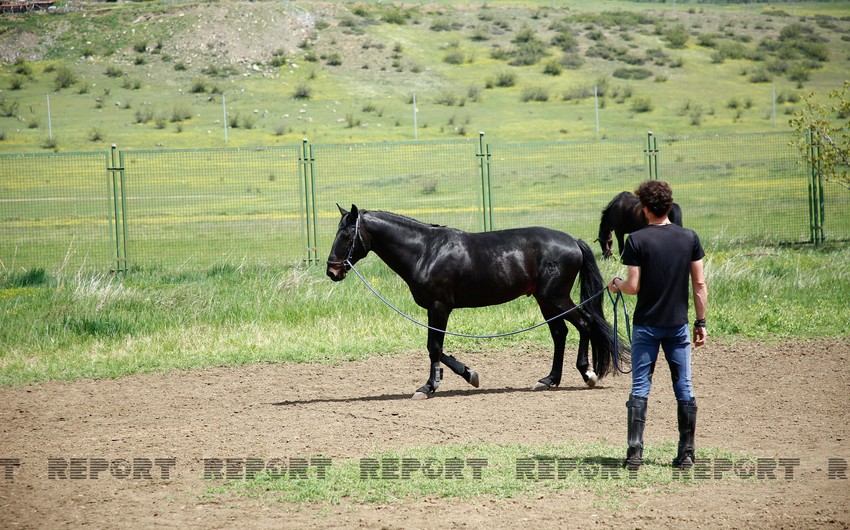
column 471, row 376
column 582, row 324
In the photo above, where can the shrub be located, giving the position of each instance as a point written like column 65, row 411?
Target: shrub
column 799, row 73
column 534, row 94
column 65, row 77
column 249, row 121
column 572, row 61
column 454, row 56
column 528, row 53
column 334, row 59
column 760, row 76
column 278, row 58
column 199, row 86
column 50, row 143
column 505, row 79
column 16, row 82
column 553, row 68
column 640, row 105
column 144, row 115
column 180, row 113
column 22, row 67
column 113, row 71
column 131, row 84
column 565, row 40
column 302, row 91
column 8, row 109
column 632, row 73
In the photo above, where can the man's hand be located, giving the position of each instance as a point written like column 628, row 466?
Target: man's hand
column 700, row 335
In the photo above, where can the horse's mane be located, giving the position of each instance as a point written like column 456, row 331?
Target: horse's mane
column 403, row 218
column 606, row 212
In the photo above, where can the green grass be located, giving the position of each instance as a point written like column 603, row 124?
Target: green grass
column 71, row 324
column 473, row 470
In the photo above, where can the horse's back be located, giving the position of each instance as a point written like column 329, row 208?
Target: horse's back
column 675, row 214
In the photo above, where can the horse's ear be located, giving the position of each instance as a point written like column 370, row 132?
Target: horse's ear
column 354, row 211
column 342, row 211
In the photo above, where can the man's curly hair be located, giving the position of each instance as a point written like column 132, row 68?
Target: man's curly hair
column 656, row 196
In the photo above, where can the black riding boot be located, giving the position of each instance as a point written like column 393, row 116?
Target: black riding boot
column 687, row 416
column 637, row 419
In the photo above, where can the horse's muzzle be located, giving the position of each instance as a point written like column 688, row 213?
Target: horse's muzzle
column 336, row 272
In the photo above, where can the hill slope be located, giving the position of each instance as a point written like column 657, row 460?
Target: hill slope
column 263, row 73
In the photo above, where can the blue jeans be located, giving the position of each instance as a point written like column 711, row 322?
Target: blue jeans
column 676, row 343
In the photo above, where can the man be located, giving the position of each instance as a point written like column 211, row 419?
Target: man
column 661, row 258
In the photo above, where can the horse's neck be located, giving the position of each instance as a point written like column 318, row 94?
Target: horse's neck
column 605, row 223
column 397, row 241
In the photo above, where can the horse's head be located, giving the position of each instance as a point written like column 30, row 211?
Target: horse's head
column 349, row 245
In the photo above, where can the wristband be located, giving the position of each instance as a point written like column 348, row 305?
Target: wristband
column 700, row 323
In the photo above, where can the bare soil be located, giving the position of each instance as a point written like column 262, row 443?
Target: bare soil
column 783, row 400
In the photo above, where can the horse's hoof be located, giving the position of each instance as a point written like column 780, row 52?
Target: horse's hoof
column 591, row 378
column 473, row 378
column 419, row 396
column 540, row 385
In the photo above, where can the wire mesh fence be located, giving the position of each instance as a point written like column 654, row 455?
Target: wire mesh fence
column 271, row 206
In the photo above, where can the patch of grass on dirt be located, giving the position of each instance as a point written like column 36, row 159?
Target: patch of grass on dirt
column 473, row 470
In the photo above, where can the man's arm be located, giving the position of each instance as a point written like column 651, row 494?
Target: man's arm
column 631, row 285
column 700, row 292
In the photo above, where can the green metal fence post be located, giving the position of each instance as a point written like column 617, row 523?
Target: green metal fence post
column 651, row 153
column 483, row 155
column 816, row 202
column 118, row 212
column 308, row 189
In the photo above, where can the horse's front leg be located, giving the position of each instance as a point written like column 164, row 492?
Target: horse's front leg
column 558, row 330
column 438, row 317
column 621, row 236
column 470, row 376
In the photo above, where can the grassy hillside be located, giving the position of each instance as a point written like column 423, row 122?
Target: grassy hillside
column 157, row 74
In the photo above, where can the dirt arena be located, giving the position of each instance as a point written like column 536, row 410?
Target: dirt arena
column 785, row 400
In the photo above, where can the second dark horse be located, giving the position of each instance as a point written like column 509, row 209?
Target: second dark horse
column 622, row 216
column 446, row 268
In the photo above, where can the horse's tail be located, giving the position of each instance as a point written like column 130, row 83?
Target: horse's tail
column 601, row 332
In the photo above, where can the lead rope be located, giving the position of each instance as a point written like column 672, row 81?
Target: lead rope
column 628, row 327
column 494, row 336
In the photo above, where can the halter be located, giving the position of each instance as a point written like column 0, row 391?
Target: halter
column 357, row 236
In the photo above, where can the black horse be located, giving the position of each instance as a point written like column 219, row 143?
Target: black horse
column 446, row 268
column 623, row 215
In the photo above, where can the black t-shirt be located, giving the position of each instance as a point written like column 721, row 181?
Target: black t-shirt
column 664, row 254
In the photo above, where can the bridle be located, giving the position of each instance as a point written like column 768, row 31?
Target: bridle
column 346, row 262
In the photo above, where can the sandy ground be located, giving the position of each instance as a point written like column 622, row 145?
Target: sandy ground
column 777, row 401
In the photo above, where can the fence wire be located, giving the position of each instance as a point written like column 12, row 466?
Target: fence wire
column 273, row 206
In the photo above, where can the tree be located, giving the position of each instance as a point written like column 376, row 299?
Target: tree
column 833, row 141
